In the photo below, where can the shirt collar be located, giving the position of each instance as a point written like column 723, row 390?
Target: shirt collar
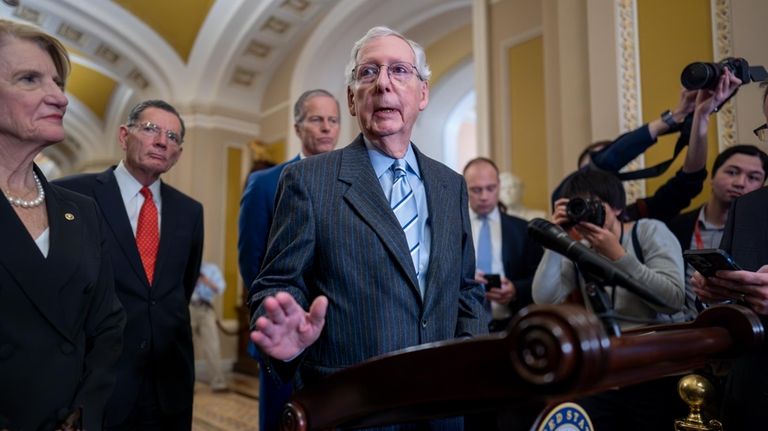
column 382, row 162
column 494, row 215
column 702, row 220
column 129, row 186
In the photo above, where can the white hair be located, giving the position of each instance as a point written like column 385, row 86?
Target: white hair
column 422, row 67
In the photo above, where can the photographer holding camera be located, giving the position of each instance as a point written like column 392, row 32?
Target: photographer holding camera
column 591, row 208
column 690, row 118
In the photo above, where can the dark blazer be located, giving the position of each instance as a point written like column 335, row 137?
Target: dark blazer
column 745, row 403
column 520, row 256
column 61, row 326
column 335, row 235
column 683, row 226
column 257, row 208
column 158, row 333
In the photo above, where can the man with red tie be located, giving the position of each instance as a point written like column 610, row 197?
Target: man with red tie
column 155, row 240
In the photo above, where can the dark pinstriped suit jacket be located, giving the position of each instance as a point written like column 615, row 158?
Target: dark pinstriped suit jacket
column 745, row 402
column 335, row 235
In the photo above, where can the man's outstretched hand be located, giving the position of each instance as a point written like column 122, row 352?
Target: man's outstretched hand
column 285, row 330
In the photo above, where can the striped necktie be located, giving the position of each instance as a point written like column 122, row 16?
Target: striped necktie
column 403, row 204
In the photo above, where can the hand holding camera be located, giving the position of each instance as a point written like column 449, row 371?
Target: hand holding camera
column 701, row 75
column 587, row 217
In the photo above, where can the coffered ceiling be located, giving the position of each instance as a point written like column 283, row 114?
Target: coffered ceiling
column 206, row 56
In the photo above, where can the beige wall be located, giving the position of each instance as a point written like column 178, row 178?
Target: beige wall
column 510, row 22
column 448, row 52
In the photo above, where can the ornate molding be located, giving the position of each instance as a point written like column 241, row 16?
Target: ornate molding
column 722, row 43
column 630, row 105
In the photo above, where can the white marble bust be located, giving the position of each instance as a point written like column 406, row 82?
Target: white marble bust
column 511, row 194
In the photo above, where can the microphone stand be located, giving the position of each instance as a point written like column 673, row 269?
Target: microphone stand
column 594, row 291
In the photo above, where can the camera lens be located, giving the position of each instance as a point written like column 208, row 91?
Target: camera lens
column 577, row 210
column 696, row 76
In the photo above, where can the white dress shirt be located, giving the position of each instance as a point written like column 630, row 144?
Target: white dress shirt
column 132, row 199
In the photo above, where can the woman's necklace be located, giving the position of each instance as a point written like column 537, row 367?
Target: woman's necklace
column 18, row 202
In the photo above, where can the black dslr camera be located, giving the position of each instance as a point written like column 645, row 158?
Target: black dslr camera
column 700, row 75
column 588, row 210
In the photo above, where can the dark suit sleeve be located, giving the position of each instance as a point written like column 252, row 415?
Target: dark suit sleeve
column 623, row 150
column 288, row 257
column 726, row 243
column 473, row 318
column 672, row 197
column 255, row 220
column 104, row 341
column 520, row 257
column 523, row 276
column 192, row 271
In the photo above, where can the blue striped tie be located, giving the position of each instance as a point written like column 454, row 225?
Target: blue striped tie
column 403, row 204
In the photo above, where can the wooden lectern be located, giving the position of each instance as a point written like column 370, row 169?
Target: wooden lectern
column 548, row 354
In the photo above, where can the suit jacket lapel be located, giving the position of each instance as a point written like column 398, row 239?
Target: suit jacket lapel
column 435, row 187
column 107, row 194
column 42, row 278
column 171, row 213
column 367, row 199
column 508, row 237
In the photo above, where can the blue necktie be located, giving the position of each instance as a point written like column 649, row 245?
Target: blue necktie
column 484, row 253
column 403, row 204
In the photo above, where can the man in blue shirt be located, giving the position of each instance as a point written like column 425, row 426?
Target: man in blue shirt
column 203, row 318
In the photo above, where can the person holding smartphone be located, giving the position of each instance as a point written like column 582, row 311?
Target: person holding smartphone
column 745, row 403
column 737, row 170
column 506, row 258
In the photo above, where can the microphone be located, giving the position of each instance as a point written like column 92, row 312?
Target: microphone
column 589, row 262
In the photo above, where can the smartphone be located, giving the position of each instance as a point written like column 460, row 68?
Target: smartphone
column 494, row 280
column 709, row 260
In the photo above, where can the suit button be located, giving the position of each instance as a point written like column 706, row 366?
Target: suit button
column 66, row 348
column 153, row 302
column 143, row 345
column 424, row 323
column 6, row 351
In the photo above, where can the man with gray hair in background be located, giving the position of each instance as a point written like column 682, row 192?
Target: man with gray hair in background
column 373, row 239
column 316, row 122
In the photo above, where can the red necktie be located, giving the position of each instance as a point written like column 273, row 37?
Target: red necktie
column 147, row 237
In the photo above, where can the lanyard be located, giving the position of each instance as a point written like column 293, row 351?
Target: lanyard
column 697, row 235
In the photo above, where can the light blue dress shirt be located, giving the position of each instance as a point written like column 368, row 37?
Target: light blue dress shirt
column 381, row 166
column 202, row 291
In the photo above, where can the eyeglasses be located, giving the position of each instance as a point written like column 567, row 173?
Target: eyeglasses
column 153, row 130
column 400, row 72
column 762, row 133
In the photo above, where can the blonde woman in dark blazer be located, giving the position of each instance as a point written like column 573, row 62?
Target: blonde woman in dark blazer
column 60, row 321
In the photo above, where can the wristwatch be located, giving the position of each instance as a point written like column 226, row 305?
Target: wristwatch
column 667, row 118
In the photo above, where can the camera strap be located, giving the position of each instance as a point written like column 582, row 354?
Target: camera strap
column 656, row 170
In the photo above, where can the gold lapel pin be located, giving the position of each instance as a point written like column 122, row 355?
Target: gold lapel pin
column 69, row 216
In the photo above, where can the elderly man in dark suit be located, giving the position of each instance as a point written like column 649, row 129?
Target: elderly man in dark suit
column 155, row 239
column 373, row 239
column 316, row 122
